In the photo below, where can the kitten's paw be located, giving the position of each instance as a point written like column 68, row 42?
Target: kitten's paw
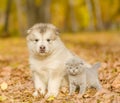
column 35, row 94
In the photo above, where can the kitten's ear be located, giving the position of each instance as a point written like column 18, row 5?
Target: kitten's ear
column 66, row 63
column 81, row 63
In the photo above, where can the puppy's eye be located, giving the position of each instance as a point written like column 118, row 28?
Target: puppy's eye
column 48, row 40
column 76, row 67
column 70, row 67
column 36, row 40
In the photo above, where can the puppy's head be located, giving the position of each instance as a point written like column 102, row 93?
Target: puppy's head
column 41, row 38
column 74, row 66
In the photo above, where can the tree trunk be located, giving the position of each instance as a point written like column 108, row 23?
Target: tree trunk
column 47, row 10
column 20, row 17
column 70, row 18
column 37, row 13
column 31, row 12
column 91, row 26
column 7, row 14
column 66, row 21
column 98, row 15
column 74, row 25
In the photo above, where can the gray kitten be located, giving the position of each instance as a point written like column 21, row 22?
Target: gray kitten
column 81, row 75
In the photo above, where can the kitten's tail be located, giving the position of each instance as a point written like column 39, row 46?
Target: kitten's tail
column 96, row 66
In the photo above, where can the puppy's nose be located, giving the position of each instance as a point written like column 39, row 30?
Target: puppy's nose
column 42, row 47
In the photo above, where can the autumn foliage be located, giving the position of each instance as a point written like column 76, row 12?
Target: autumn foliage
column 16, row 85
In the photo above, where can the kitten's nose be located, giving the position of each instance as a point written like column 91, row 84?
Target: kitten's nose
column 73, row 70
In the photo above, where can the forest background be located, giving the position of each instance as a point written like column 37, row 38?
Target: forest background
column 69, row 15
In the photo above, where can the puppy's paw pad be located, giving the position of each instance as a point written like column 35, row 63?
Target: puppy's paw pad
column 35, row 94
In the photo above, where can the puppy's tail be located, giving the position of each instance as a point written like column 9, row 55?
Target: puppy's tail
column 96, row 66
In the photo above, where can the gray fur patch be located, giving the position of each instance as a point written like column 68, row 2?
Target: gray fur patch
column 43, row 27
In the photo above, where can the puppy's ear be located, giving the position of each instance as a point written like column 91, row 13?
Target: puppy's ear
column 29, row 30
column 57, row 31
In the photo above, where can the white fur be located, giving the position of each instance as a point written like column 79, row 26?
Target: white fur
column 47, row 68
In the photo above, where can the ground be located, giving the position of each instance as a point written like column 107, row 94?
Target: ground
column 16, row 85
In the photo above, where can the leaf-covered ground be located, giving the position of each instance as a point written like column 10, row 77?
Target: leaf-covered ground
column 16, row 84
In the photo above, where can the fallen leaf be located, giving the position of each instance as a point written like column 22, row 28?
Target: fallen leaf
column 2, row 98
column 116, row 82
column 51, row 98
column 4, row 86
column 64, row 90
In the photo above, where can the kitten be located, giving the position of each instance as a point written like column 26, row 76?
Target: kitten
column 81, row 75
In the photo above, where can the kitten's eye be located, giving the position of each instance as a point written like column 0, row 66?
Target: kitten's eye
column 48, row 40
column 36, row 40
column 70, row 67
column 81, row 63
column 76, row 67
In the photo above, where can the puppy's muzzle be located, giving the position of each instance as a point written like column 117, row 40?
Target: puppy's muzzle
column 42, row 49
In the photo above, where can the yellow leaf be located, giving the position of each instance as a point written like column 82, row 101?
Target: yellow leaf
column 2, row 98
column 4, row 86
column 51, row 98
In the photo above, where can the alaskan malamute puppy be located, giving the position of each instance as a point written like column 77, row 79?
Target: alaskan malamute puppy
column 47, row 58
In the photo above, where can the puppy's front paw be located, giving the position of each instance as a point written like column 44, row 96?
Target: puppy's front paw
column 42, row 92
column 35, row 94
column 49, row 94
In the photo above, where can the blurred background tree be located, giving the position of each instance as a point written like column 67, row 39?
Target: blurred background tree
column 69, row 15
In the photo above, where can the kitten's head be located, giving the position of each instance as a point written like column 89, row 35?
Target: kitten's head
column 74, row 66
